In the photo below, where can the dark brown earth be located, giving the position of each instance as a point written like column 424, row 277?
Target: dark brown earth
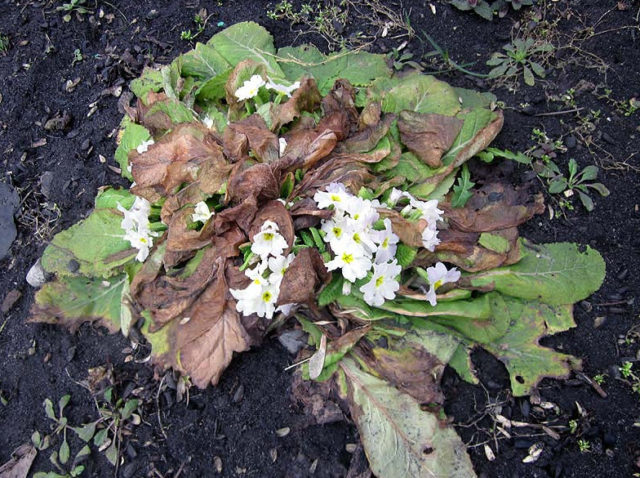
column 40, row 361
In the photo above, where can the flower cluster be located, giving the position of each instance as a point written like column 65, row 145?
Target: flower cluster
column 427, row 210
column 261, row 295
column 358, row 247
column 136, row 226
column 251, row 87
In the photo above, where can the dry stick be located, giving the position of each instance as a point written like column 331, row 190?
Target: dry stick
column 594, row 384
column 554, row 113
column 158, row 406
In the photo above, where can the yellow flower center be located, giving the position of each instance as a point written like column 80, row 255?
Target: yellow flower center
column 347, row 258
column 267, row 296
column 143, row 240
column 337, row 231
column 268, row 236
column 257, row 281
column 356, row 238
column 335, row 198
column 379, row 281
column 437, row 284
column 385, row 243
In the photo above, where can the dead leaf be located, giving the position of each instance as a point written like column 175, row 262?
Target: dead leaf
column 250, row 180
column 428, row 135
column 316, row 362
column 20, row 463
column 304, row 277
column 305, row 98
column 409, row 232
column 252, row 134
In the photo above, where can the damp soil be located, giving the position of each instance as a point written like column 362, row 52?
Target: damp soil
column 56, row 173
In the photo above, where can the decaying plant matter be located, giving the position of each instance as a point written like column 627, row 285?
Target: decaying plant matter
column 289, row 184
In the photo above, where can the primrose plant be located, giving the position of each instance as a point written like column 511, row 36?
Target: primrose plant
column 276, row 189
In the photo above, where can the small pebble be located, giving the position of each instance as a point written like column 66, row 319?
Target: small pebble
column 239, row 394
column 10, row 299
column 36, row 276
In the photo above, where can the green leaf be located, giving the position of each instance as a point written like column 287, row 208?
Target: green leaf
column 246, row 40
column 471, row 99
column 71, row 301
column 64, row 452
column 94, row 247
column 129, row 407
column 462, row 191
column 423, row 94
column 590, row 173
column 112, row 453
column 405, row 254
column 360, row 68
column 176, row 111
column 557, row 185
column 601, row 188
column 494, row 242
column 461, row 362
column 506, row 154
column 573, row 168
column 48, row 409
column 528, row 76
column 556, row 273
column 100, row 437
column 213, row 89
column 470, row 140
column 150, row 80
column 63, row 402
column 526, row 360
column 401, row 439
column 317, row 239
column 331, row 291
column 132, row 136
column 204, row 62
column 537, row 68
column 586, row 201
column 86, row 432
column 484, row 10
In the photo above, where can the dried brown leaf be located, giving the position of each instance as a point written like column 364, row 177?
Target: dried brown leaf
column 428, row 135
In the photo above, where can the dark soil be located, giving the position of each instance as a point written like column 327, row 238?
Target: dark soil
column 239, row 427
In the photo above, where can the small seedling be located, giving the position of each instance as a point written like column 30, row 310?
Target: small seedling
column 584, row 446
column 600, row 378
column 4, row 44
column 73, row 6
column 626, row 370
column 573, row 426
column 401, row 60
column 200, row 19
column 480, row 7
column 77, row 57
column 519, row 57
column 578, row 181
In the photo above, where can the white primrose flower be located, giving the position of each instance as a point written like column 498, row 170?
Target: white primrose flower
column 137, row 217
column 201, row 213
column 358, row 242
column 250, row 88
column 428, row 209
column 395, row 196
column 282, row 89
column 430, row 238
column 142, row 241
column 208, row 122
column 278, row 266
column 286, row 309
column 353, row 266
column 335, row 230
column 256, row 299
column 282, row 144
column 383, row 285
column 144, row 146
column 362, row 211
column 268, row 241
column 336, row 195
column 438, row 276
column 387, row 242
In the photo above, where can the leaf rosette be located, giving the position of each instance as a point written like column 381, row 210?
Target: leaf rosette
column 286, row 184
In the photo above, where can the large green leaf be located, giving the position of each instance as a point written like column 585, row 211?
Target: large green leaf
column 526, row 360
column 557, row 273
column 94, row 247
column 70, row 301
column 423, row 94
column 246, row 40
column 474, row 122
column 204, row 62
column 360, row 68
column 401, row 439
column 132, row 136
column 150, row 80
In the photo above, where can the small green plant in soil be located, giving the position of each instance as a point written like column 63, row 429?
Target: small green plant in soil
column 200, row 19
column 281, row 188
column 584, row 446
column 627, row 372
column 4, row 44
column 77, row 7
column 521, row 56
column 486, row 9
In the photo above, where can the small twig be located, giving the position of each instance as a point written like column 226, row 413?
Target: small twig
column 595, row 386
column 607, row 304
column 158, row 406
column 564, row 112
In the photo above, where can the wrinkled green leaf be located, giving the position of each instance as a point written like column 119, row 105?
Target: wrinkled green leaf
column 422, row 94
column 557, row 273
column 401, row 439
column 133, row 135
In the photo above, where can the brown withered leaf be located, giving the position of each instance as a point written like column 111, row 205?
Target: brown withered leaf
column 318, row 399
column 242, row 72
column 167, row 297
column 463, row 250
column 205, row 343
column 252, row 180
column 175, row 159
column 251, row 133
column 182, row 239
column 409, row 232
column 305, row 98
column 276, row 212
column 305, row 275
column 305, row 214
column 370, row 115
column 493, row 207
column 20, row 463
column 410, row 369
column 340, row 113
column 428, row 135
column 352, row 174
column 368, row 138
column 240, row 216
